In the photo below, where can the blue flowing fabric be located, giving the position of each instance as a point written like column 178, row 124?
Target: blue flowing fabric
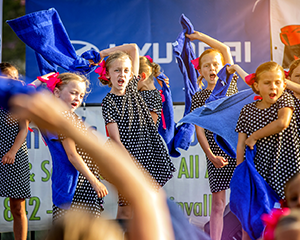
column 184, row 53
column 250, row 195
column 168, row 111
column 9, row 88
column 220, row 117
column 44, row 32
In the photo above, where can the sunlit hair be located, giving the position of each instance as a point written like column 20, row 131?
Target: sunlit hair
column 68, row 77
column 6, row 68
column 110, row 60
column 152, row 69
column 208, row 51
column 80, row 225
column 293, row 65
column 267, row 67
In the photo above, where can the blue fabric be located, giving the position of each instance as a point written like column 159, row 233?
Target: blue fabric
column 222, row 85
column 184, row 53
column 64, row 174
column 183, row 230
column 44, row 32
column 220, row 117
column 9, row 88
column 168, row 111
column 250, row 196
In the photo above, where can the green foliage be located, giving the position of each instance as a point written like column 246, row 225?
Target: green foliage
column 13, row 49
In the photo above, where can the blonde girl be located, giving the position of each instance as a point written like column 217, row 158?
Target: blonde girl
column 219, row 165
column 270, row 124
column 128, row 120
column 76, row 182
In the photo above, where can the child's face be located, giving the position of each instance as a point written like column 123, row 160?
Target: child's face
column 12, row 73
column 211, row 64
column 119, row 74
column 72, row 94
column 270, row 86
column 292, row 193
column 296, row 75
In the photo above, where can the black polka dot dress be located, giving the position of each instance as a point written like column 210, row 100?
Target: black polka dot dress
column 277, row 156
column 297, row 109
column 219, row 178
column 14, row 178
column 138, row 134
column 85, row 198
column 153, row 100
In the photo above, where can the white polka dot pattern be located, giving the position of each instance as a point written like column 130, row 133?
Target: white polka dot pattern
column 14, row 178
column 277, row 157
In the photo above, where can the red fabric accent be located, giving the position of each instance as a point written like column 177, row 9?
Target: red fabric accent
column 101, row 70
column 162, row 112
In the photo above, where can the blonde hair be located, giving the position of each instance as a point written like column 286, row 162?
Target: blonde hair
column 208, row 51
column 293, row 65
column 110, row 60
column 67, row 77
column 267, row 67
column 150, row 68
column 81, row 225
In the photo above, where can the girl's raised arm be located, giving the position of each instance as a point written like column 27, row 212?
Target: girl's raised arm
column 131, row 49
column 214, row 43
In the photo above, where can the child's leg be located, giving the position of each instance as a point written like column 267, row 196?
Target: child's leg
column 124, row 212
column 17, row 207
column 216, row 217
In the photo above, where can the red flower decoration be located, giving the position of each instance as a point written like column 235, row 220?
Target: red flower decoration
column 51, row 81
column 149, row 58
column 257, row 98
column 250, row 79
column 195, row 62
column 101, row 70
column 271, row 220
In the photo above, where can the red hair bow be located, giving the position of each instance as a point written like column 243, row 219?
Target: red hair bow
column 101, row 70
column 271, row 220
column 51, row 81
column 286, row 73
column 250, row 79
column 195, row 62
column 149, row 58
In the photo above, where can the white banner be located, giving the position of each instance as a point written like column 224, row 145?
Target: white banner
column 189, row 186
column 285, row 31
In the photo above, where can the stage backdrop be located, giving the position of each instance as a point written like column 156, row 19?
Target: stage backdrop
column 154, row 26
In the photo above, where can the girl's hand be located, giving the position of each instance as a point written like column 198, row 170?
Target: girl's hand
column 194, row 36
column 231, row 69
column 219, row 161
column 8, row 158
column 167, row 81
column 100, row 189
column 250, row 141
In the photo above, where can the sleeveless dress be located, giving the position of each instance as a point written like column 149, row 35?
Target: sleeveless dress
column 14, row 178
column 138, row 134
column 82, row 196
column 277, row 156
column 219, row 178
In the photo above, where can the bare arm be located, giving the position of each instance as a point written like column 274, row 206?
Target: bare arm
column 217, row 161
column 283, row 121
column 80, row 165
column 240, row 149
column 151, row 216
column 236, row 68
column 214, row 43
column 9, row 157
column 295, row 87
column 131, row 49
